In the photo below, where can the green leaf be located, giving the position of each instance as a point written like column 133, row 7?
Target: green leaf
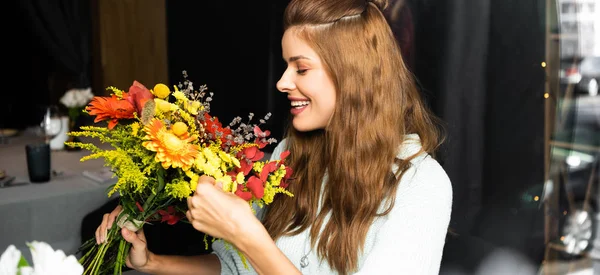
column 22, row 262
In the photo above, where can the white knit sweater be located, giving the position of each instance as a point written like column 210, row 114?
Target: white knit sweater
column 409, row 240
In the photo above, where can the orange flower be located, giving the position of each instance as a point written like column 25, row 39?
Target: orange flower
column 171, row 150
column 110, row 108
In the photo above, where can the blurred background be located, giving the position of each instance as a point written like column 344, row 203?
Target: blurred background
column 515, row 82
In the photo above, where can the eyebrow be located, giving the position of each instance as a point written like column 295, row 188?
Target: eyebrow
column 297, row 57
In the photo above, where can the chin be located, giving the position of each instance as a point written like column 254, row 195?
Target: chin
column 304, row 126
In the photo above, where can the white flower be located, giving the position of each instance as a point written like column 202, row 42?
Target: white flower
column 47, row 261
column 10, row 260
column 77, row 97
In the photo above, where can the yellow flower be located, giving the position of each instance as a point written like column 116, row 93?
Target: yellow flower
column 179, row 95
column 193, row 106
column 227, row 183
column 135, row 127
column 178, row 189
column 161, row 90
column 193, row 179
column 171, row 150
column 164, row 106
column 240, row 178
column 179, row 128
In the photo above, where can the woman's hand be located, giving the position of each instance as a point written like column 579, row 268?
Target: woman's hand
column 139, row 255
column 107, row 221
column 217, row 213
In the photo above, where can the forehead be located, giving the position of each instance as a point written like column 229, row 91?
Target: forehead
column 293, row 45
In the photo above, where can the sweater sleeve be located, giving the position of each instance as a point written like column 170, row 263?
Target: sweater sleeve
column 412, row 236
column 231, row 263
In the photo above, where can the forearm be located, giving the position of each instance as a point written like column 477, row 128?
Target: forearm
column 263, row 254
column 182, row 265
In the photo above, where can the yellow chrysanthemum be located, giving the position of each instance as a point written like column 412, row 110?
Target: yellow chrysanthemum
column 171, row 150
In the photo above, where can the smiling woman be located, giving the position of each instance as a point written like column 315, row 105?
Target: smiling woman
column 307, row 84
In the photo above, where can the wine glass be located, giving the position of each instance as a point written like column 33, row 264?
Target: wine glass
column 51, row 124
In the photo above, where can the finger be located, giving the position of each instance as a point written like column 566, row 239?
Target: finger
column 141, row 235
column 204, row 180
column 188, row 214
column 133, row 238
column 113, row 215
column 207, row 179
column 198, row 225
column 219, row 185
column 98, row 235
column 103, row 231
column 128, row 262
column 195, row 202
column 189, row 202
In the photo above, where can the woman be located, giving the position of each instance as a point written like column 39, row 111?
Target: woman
column 369, row 197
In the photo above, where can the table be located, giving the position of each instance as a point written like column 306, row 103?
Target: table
column 50, row 212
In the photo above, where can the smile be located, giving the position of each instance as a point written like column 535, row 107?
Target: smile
column 298, row 106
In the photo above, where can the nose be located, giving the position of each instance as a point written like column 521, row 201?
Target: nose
column 285, row 83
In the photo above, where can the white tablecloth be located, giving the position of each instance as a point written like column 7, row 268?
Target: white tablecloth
column 50, row 212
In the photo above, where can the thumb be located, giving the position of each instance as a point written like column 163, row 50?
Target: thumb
column 133, row 238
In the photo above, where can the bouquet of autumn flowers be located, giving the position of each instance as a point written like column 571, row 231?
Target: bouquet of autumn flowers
column 163, row 141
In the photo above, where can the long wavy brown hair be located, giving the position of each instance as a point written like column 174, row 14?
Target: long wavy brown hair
column 377, row 103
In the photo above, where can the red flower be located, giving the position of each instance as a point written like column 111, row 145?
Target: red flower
column 170, row 216
column 243, row 194
column 138, row 96
column 213, row 126
column 247, row 157
column 288, row 174
column 110, row 108
column 253, row 154
column 261, row 137
column 284, row 155
column 269, row 168
column 256, row 187
column 139, row 206
column 245, row 166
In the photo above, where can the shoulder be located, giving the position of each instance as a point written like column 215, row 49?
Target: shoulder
column 425, row 176
column 425, row 181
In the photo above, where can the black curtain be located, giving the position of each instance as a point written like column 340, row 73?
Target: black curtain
column 232, row 55
column 478, row 65
column 63, row 28
column 451, row 63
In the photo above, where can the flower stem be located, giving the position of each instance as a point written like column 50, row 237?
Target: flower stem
column 160, row 176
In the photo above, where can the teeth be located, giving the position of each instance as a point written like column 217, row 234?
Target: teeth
column 299, row 103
